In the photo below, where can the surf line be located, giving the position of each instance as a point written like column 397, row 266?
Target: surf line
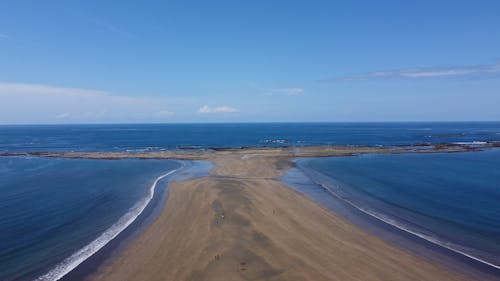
column 396, row 225
column 109, row 234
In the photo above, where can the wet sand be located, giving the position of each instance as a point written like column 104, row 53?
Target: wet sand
column 242, row 223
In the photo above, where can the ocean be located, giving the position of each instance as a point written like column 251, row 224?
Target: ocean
column 448, row 199
column 157, row 137
column 55, row 213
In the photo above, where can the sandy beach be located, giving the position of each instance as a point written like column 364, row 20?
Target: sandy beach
column 242, row 223
column 249, row 140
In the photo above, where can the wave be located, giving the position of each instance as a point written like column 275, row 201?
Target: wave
column 84, row 253
column 146, row 149
column 280, row 141
column 401, row 226
column 471, row 142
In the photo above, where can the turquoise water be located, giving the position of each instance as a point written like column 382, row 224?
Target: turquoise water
column 54, row 213
column 452, row 200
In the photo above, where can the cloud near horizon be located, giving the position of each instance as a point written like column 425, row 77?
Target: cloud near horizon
column 165, row 112
column 35, row 103
column 288, row 91
column 292, row 91
column 220, row 109
column 468, row 72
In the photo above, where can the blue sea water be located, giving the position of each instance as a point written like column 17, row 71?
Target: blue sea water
column 55, row 212
column 452, row 200
column 156, row 137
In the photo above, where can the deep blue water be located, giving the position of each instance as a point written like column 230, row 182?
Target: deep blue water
column 50, row 208
column 170, row 136
column 449, row 199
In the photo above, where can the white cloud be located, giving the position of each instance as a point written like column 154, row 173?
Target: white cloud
column 15, row 88
column 63, row 115
column 165, row 112
column 478, row 71
column 4, row 36
column 34, row 103
column 277, row 91
column 220, row 109
column 288, row 91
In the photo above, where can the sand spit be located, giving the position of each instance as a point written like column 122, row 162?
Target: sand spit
column 242, row 223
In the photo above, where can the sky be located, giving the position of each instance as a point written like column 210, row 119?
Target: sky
column 248, row 61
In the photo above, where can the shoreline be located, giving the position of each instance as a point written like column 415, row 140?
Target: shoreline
column 83, row 254
column 232, row 248
column 282, row 151
column 93, row 257
column 474, row 268
column 229, row 165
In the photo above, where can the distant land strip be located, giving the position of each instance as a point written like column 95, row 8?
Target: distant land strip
column 186, row 153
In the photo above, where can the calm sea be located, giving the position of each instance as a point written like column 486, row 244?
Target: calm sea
column 171, row 136
column 451, row 200
column 54, row 213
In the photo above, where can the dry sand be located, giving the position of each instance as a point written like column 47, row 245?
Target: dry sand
column 242, row 223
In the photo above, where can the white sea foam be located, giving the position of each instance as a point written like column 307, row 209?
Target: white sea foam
column 448, row 245
column 145, row 149
column 472, row 143
column 84, row 253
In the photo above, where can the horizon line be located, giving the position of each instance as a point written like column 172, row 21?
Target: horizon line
column 248, row 122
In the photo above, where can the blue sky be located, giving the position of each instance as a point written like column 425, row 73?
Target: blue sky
column 248, row 61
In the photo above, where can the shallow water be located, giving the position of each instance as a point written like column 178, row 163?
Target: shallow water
column 448, row 199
